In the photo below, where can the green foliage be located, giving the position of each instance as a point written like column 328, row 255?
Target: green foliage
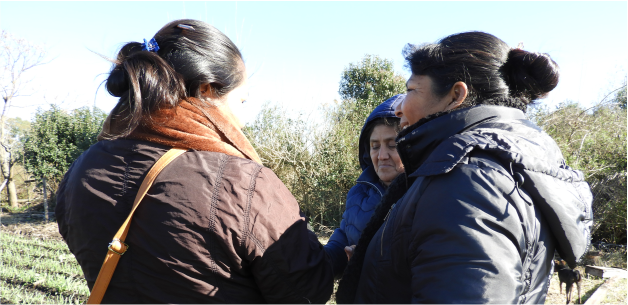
column 620, row 98
column 17, row 130
column 594, row 141
column 58, row 137
column 370, row 82
column 296, row 149
column 318, row 162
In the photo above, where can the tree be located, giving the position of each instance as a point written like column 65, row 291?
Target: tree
column 16, row 130
column 363, row 86
column 17, row 58
column 370, row 81
column 57, row 138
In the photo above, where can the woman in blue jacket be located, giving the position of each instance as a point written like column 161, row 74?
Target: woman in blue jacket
column 380, row 164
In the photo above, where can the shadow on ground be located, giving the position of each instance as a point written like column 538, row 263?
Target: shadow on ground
column 29, row 224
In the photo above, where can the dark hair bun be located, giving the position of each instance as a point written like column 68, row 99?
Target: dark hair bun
column 530, row 75
column 118, row 81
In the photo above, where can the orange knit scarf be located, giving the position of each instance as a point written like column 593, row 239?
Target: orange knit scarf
column 192, row 125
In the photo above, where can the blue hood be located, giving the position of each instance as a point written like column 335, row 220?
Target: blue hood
column 385, row 110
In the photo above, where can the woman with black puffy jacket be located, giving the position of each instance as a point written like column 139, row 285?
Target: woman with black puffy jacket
column 486, row 197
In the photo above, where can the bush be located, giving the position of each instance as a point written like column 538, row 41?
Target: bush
column 594, row 141
column 318, row 162
column 56, row 138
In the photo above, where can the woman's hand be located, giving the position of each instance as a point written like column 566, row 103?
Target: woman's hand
column 349, row 250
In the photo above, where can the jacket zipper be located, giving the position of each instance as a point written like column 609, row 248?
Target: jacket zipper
column 373, row 185
column 384, row 229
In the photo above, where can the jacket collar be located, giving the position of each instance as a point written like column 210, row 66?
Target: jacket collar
column 417, row 142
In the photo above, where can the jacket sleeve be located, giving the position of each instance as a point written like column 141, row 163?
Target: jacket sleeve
column 335, row 248
column 287, row 260
column 466, row 240
column 60, row 206
column 339, row 240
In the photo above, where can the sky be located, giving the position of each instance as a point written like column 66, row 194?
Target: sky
column 295, row 52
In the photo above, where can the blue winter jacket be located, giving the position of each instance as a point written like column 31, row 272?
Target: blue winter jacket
column 364, row 196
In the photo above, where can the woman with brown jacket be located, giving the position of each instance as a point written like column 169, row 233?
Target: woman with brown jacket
column 216, row 226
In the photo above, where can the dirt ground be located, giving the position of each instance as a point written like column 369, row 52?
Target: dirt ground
column 29, row 224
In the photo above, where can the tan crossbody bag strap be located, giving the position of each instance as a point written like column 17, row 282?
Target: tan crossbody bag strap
column 117, row 247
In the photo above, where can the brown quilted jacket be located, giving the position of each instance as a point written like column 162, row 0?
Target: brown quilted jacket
column 213, row 228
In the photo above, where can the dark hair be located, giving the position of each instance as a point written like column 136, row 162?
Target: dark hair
column 494, row 73
column 364, row 152
column 388, row 121
column 186, row 59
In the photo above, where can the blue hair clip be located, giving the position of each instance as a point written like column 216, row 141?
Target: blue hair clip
column 150, row 46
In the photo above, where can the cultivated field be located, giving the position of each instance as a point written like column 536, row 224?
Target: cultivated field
column 36, row 267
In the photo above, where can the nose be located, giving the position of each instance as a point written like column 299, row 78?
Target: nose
column 383, row 153
column 398, row 112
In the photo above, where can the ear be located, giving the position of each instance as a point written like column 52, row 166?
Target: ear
column 457, row 95
column 207, row 91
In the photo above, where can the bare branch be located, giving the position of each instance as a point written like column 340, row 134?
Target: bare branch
column 602, row 101
column 17, row 57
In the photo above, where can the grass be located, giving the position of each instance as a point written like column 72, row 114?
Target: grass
column 34, row 270
column 617, row 292
column 36, row 267
column 20, row 294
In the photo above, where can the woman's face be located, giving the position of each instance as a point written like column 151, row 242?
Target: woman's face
column 234, row 99
column 420, row 101
column 384, row 154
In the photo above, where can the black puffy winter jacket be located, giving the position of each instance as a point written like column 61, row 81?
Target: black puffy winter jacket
column 489, row 199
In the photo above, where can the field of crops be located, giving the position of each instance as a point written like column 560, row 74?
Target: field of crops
column 37, row 271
